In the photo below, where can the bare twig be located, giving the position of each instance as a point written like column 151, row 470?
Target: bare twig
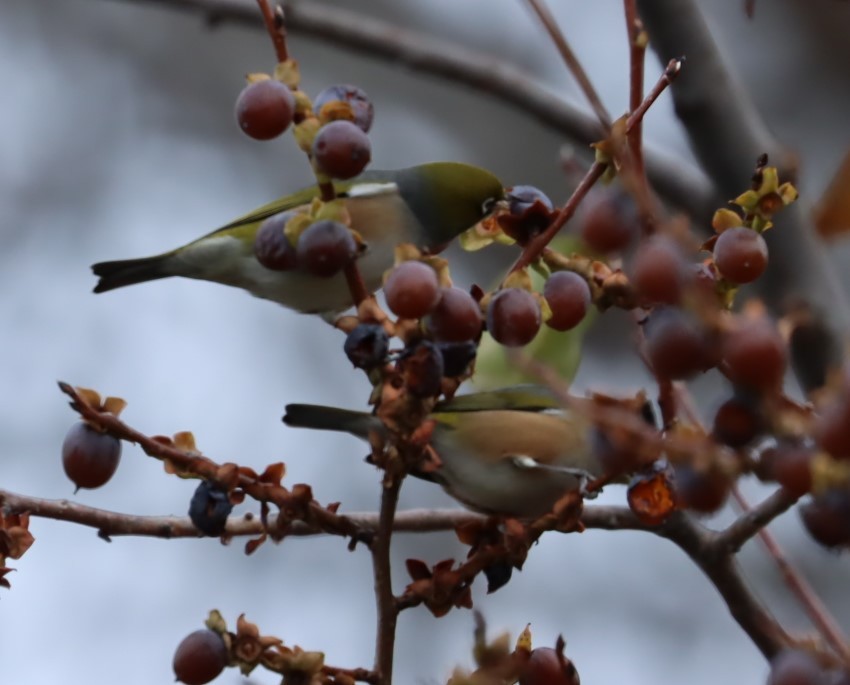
column 572, row 62
column 536, row 246
column 637, row 57
column 276, row 28
column 818, row 613
column 384, row 599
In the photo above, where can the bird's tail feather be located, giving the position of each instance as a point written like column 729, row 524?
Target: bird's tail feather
column 129, row 272
column 319, row 417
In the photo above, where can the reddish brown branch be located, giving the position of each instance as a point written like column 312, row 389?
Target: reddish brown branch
column 387, row 611
column 572, row 62
column 637, row 58
column 273, row 19
column 816, row 610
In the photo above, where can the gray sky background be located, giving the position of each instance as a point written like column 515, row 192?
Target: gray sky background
column 117, row 139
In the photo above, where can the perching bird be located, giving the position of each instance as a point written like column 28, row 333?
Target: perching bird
column 512, row 452
column 427, row 205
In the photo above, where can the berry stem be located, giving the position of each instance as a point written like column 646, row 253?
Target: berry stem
column 570, row 59
column 674, row 66
column 359, row 292
column 273, row 19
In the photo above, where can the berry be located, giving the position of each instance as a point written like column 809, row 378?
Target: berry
column 659, row 271
column 737, row 422
column 754, row 356
column 456, row 318
column 356, row 98
column 200, row 657
column 513, row 317
column 790, row 465
column 264, row 109
column 412, row 290
column 89, row 456
column 795, row 667
column 341, row 149
column 271, row 247
column 609, row 221
column 422, row 369
column 367, row 345
column 740, row 255
column 546, row 667
column 325, row 248
column 832, row 429
column 827, row 518
column 457, row 356
column 209, row 508
column 702, row 491
column 568, row 296
column 676, row 344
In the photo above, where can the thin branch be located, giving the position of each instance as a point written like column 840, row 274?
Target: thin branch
column 385, row 602
column 276, row 28
column 536, row 246
column 572, row 62
column 752, row 521
column 817, row 611
column 637, row 58
column 682, row 185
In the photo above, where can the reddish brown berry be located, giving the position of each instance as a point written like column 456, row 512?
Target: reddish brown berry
column 200, row 657
column 412, row 290
column 341, row 149
column 676, row 344
column 659, row 271
column 568, row 296
column 609, row 221
column 361, row 105
column 264, row 109
column 456, row 318
column 325, row 248
column 740, row 254
column 513, row 317
column 271, row 247
column 545, row 667
column 90, row 457
column 754, row 356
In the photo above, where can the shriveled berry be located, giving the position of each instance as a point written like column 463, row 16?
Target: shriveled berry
column 325, row 248
column 529, row 213
column 568, row 296
column 264, row 109
column 609, row 221
column 361, row 105
column 90, row 457
column 740, row 254
column 209, row 508
column 754, row 356
column 545, row 667
column 513, row 317
column 832, row 428
column 367, row 345
column 422, row 370
column 341, row 149
column 676, row 344
column 457, row 356
column 412, row 290
column 456, row 318
column 271, row 247
column 827, row 518
column 659, row 271
column 200, row 657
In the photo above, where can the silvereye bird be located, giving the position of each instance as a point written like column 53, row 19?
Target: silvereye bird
column 427, row 205
column 511, row 452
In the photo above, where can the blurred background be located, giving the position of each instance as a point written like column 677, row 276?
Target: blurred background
column 117, row 139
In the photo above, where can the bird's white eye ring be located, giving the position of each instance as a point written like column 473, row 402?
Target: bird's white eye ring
column 489, row 206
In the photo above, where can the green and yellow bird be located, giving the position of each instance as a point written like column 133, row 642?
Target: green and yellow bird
column 512, row 452
column 427, row 205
